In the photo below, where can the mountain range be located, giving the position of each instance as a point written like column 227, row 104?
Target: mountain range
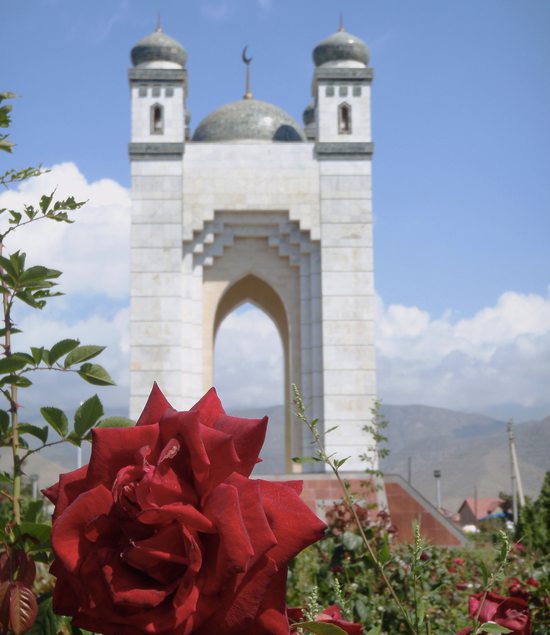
column 471, row 450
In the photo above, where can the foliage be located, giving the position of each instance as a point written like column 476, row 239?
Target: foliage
column 359, row 567
column 25, row 533
column 534, row 522
column 443, row 577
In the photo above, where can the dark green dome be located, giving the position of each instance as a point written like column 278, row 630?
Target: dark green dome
column 341, row 47
column 248, row 120
column 158, row 47
column 309, row 114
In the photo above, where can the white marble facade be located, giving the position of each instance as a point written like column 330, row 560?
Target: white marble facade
column 286, row 224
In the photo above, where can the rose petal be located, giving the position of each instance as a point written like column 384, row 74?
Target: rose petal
column 234, row 551
column 68, row 531
column 129, row 588
column 155, row 407
column 115, row 448
column 209, row 408
column 294, row 529
column 248, row 436
column 69, row 486
column 237, row 610
column 185, row 514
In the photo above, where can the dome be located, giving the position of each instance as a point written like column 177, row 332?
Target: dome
column 248, row 120
column 309, row 114
column 158, row 47
column 341, row 47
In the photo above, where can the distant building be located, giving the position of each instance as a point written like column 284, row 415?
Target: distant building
column 475, row 510
column 251, row 206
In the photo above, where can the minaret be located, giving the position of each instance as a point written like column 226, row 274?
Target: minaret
column 341, row 89
column 158, row 85
column 340, row 129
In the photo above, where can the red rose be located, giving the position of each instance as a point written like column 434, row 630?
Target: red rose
column 330, row 615
column 510, row 612
column 164, row 532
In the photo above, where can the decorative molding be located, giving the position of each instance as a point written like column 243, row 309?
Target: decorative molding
column 218, row 234
column 340, row 74
column 345, row 150
column 172, row 75
column 155, row 150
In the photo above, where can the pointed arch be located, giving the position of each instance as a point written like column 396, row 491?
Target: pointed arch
column 344, row 118
column 253, row 289
column 157, row 119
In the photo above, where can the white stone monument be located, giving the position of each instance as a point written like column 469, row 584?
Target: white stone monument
column 253, row 207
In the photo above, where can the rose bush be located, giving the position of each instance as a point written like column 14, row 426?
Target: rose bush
column 330, row 615
column 164, row 532
column 513, row 613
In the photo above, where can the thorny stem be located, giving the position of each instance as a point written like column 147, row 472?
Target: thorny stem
column 6, row 304
column 503, row 559
column 349, row 503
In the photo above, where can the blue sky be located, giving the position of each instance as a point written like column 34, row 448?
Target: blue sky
column 461, row 168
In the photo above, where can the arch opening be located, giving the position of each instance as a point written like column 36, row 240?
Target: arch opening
column 344, row 118
column 251, row 366
column 157, row 119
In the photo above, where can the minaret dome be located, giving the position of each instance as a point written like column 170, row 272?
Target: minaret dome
column 158, row 50
column 341, row 49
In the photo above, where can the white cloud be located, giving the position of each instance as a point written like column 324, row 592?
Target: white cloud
column 51, row 388
column 249, row 360
column 500, row 355
column 93, row 252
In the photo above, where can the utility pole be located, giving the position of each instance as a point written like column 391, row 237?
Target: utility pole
column 517, row 488
column 437, row 476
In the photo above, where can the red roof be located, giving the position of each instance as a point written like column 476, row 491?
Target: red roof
column 482, row 507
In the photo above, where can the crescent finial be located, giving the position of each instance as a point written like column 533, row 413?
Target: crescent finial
column 246, row 60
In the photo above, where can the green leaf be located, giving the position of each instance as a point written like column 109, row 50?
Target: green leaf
column 73, row 438
column 484, row 572
column 384, row 554
column 61, row 348
column 116, row 422
column 4, row 422
column 375, row 630
column 420, row 611
column 305, row 459
column 33, row 509
column 320, row 628
column 39, row 531
column 8, row 267
column 339, row 462
column 5, row 477
column 45, row 202
column 87, row 415
column 15, row 380
column 493, row 627
column 37, row 275
column 95, row 374
column 82, row 354
column 11, row 364
column 56, row 418
column 24, row 357
column 39, row 433
column 37, row 354
column 12, row 330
